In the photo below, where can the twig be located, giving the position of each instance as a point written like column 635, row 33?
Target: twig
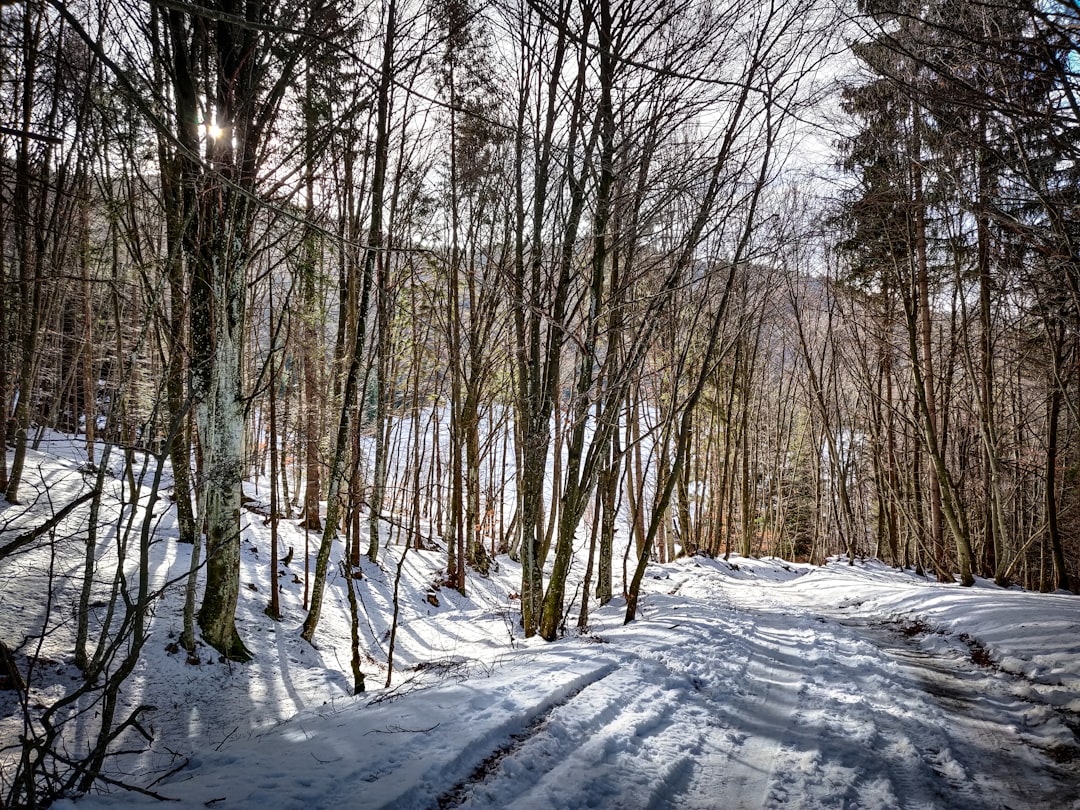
column 173, row 772
column 135, row 789
column 225, row 740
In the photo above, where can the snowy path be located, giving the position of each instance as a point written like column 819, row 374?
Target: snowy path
column 725, row 695
column 769, row 708
column 744, row 684
column 886, row 720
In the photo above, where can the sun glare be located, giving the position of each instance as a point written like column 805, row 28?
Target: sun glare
column 213, row 131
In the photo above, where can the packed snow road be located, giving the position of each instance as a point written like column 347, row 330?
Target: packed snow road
column 730, row 699
column 727, row 693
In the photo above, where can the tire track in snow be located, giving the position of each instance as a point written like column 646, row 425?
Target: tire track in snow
column 480, row 746
column 755, row 718
column 908, row 728
column 973, row 729
column 460, row 793
column 850, row 743
column 766, row 670
column 706, row 728
column 602, row 730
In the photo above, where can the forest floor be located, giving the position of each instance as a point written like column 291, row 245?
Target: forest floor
column 747, row 683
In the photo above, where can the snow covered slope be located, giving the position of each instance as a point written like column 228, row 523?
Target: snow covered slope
column 749, row 683
column 765, row 686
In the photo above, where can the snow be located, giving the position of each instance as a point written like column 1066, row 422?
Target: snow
column 747, row 683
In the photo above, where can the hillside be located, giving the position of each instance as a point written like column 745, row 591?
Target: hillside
column 746, row 683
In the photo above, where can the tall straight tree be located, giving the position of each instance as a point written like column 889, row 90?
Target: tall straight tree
column 372, row 253
column 539, row 292
column 475, row 259
column 176, row 202
column 231, row 66
column 41, row 170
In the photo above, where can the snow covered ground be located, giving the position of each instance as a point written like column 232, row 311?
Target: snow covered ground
column 748, row 683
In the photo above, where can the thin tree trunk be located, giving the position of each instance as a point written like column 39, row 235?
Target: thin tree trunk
column 1053, row 530
column 309, row 320
column 273, row 610
column 942, row 501
column 28, row 258
column 374, row 246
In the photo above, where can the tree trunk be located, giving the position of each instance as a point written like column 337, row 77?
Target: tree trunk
column 1053, row 530
column 942, row 500
column 219, row 295
column 29, row 239
column 309, row 320
column 374, row 243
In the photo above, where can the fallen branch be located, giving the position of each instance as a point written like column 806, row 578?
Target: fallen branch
column 28, row 537
column 400, row 730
